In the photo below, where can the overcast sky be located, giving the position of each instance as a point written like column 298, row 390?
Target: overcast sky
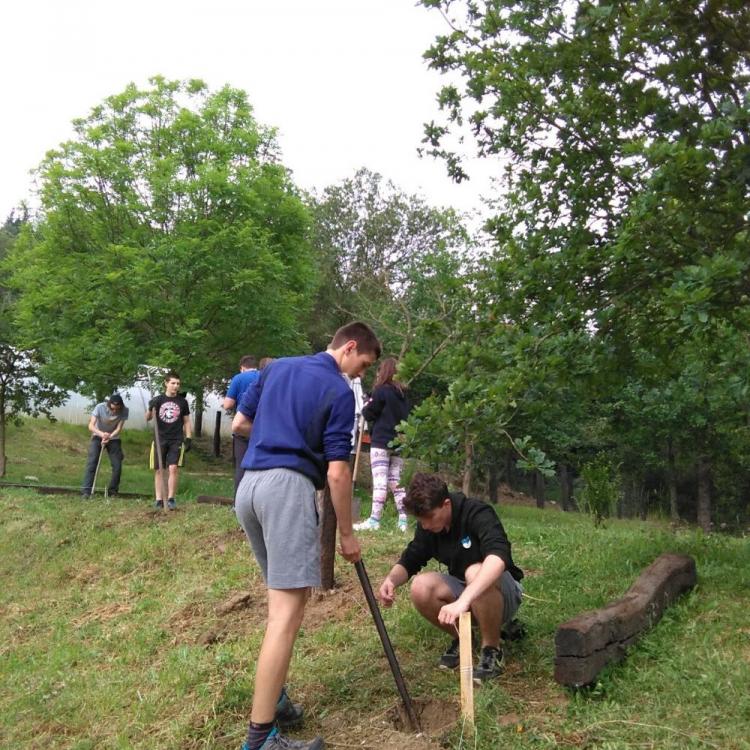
column 342, row 80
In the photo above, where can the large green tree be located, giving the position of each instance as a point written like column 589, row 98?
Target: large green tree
column 170, row 233
column 624, row 132
column 22, row 389
column 390, row 258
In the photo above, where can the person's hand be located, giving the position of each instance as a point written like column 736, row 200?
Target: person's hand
column 387, row 593
column 188, row 443
column 152, row 403
column 106, row 437
column 349, row 548
column 449, row 613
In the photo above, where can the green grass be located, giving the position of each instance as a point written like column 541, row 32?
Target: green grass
column 110, row 635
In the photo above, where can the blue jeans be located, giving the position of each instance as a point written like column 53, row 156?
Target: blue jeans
column 116, row 457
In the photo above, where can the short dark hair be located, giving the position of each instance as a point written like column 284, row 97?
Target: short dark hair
column 426, row 492
column 116, row 400
column 248, row 361
column 172, row 375
column 367, row 341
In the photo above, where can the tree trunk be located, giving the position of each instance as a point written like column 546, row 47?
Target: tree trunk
column 510, row 470
column 704, row 493
column 566, row 485
column 674, row 512
column 327, row 541
column 2, row 433
column 493, row 482
column 198, row 408
column 468, row 466
column 539, row 488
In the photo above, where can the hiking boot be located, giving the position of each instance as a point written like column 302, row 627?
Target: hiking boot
column 288, row 714
column 171, row 504
column 514, row 630
column 449, row 660
column 276, row 741
column 371, row 524
column 491, row 663
column 403, row 524
column 159, row 504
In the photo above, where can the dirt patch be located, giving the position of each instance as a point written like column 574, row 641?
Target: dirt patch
column 434, row 716
column 336, row 605
column 220, row 543
column 103, row 614
column 240, row 600
column 390, row 730
column 89, row 574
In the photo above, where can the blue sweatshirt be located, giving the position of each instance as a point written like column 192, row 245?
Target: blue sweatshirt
column 302, row 411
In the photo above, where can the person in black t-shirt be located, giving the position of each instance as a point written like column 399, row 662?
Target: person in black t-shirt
column 467, row 537
column 175, row 432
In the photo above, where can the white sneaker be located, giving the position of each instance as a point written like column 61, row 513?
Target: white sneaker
column 371, row 524
column 403, row 525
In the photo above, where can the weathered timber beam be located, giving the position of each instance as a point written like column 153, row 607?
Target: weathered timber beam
column 590, row 641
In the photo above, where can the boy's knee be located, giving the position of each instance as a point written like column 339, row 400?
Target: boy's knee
column 422, row 589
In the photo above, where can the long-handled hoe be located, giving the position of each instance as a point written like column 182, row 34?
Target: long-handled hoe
column 96, row 473
column 361, row 426
column 157, row 447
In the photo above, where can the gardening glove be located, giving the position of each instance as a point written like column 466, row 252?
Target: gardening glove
column 188, row 443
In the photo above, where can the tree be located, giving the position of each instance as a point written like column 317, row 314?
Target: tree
column 22, row 391
column 389, row 258
column 625, row 134
column 169, row 234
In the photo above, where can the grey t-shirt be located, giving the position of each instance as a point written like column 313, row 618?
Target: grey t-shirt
column 106, row 421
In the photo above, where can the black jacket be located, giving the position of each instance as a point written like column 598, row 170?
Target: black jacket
column 387, row 407
column 475, row 532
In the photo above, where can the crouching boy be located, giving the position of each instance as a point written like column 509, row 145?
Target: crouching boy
column 466, row 536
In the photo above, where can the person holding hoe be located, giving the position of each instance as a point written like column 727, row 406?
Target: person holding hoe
column 175, row 433
column 105, row 425
column 299, row 417
column 467, row 537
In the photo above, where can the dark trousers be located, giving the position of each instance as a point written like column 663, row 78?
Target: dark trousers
column 239, row 446
column 116, row 456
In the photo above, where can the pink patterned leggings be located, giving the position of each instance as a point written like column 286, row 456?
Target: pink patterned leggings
column 386, row 475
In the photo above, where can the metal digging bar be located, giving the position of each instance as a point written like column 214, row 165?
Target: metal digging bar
column 387, row 647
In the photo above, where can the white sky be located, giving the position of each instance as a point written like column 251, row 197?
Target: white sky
column 342, row 80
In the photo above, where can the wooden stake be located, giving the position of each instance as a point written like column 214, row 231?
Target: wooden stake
column 466, row 667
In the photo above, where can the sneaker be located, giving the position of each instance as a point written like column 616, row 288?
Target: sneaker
column 171, row 504
column 403, row 525
column 491, row 664
column 514, row 630
column 449, row 660
column 371, row 524
column 277, row 741
column 159, row 504
column 288, row 714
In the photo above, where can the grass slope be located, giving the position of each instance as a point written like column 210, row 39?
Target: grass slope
column 123, row 628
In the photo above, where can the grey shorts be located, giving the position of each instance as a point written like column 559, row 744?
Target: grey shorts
column 510, row 589
column 276, row 509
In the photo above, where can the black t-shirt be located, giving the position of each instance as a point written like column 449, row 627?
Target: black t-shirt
column 170, row 411
column 475, row 532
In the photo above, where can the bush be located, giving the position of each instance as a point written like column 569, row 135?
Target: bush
column 600, row 488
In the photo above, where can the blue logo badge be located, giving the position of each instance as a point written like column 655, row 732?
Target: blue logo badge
column 466, row 542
